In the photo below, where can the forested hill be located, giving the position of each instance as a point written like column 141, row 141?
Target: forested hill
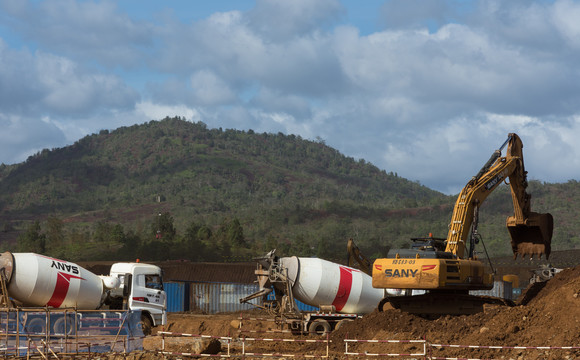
column 176, row 189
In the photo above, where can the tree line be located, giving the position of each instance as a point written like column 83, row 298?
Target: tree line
column 223, row 242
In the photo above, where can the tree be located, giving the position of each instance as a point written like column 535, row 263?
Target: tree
column 32, row 240
column 300, row 247
column 54, row 234
column 235, row 233
column 130, row 248
column 163, row 228
column 193, row 246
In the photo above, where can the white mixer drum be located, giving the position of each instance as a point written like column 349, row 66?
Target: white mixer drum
column 38, row 280
column 319, row 282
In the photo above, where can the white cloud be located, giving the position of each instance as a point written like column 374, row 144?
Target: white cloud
column 88, row 30
column 42, row 83
column 152, row 111
column 70, row 90
column 565, row 15
column 280, row 20
column 276, row 101
column 24, row 136
column 209, row 89
column 414, row 13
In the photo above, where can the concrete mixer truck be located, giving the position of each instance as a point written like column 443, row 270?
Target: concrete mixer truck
column 342, row 293
column 35, row 281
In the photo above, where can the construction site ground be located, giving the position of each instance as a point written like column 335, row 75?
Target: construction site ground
column 547, row 314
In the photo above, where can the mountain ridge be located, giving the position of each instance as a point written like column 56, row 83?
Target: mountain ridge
column 300, row 195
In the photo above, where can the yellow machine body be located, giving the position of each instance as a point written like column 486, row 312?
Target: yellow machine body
column 430, row 274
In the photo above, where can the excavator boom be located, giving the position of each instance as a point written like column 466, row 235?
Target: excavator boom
column 531, row 233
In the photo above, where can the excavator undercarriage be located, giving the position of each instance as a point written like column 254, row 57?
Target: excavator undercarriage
column 437, row 303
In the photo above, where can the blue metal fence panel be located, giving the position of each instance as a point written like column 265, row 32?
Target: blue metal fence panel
column 305, row 307
column 301, row 306
column 230, row 295
column 175, row 292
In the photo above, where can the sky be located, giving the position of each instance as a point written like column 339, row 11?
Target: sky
column 426, row 89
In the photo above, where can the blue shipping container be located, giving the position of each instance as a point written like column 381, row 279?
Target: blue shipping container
column 208, row 297
column 214, row 297
column 175, row 296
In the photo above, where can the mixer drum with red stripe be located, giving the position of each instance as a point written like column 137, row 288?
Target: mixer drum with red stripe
column 36, row 280
column 319, row 282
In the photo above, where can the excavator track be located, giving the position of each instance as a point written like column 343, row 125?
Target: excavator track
column 441, row 303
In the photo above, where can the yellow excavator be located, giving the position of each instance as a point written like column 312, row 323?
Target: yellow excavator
column 445, row 270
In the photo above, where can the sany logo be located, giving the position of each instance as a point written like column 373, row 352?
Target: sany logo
column 401, row 273
column 64, row 266
column 407, row 272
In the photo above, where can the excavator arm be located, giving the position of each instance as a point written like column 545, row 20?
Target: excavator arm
column 355, row 256
column 531, row 233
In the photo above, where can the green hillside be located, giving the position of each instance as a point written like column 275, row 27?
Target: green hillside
column 173, row 189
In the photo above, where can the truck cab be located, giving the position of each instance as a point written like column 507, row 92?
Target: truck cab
column 141, row 287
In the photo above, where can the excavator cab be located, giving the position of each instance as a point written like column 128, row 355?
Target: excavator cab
column 532, row 236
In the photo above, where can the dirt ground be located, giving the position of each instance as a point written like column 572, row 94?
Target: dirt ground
column 546, row 315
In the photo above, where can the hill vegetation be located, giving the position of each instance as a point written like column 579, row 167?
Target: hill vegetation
column 173, row 189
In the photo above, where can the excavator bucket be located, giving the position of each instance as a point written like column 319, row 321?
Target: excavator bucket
column 534, row 237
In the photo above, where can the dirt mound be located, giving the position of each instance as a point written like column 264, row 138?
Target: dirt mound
column 546, row 315
column 550, row 316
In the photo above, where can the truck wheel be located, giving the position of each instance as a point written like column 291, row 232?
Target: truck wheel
column 385, row 304
column 319, row 327
column 36, row 326
column 63, row 325
column 342, row 322
column 145, row 324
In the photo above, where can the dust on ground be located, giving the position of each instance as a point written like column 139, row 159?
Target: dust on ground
column 547, row 314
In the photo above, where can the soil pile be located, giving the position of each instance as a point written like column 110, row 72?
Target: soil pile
column 547, row 314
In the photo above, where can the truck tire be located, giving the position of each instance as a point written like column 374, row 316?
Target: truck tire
column 36, row 326
column 145, row 324
column 319, row 327
column 341, row 323
column 63, row 325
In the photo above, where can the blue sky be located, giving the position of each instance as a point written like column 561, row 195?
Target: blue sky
column 426, row 89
